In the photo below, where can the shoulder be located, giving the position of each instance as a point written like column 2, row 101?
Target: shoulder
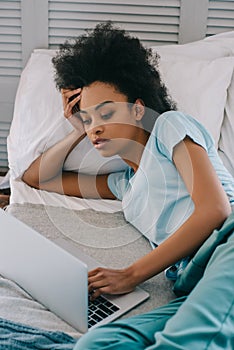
column 174, row 119
column 182, row 124
column 173, row 126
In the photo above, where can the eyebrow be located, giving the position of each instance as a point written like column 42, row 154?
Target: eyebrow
column 98, row 106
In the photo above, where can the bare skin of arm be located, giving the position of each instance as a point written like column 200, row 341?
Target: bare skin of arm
column 211, row 209
column 46, row 173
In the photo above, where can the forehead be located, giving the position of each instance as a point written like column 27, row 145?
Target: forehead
column 99, row 92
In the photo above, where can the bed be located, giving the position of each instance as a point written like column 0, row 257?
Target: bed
column 199, row 77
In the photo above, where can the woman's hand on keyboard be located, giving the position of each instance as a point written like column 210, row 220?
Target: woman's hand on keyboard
column 109, row 281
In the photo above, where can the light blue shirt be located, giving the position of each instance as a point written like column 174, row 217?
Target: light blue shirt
column 155, row 199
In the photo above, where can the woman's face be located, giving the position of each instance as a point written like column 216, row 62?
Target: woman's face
column 111, row 123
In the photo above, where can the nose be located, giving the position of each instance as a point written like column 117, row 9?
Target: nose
column 96, row 129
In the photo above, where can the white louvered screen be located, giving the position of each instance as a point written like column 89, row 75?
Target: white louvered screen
column 10, row 38
column 10, row 68
column 4, row 130
column 220, row 16
column 153, row 21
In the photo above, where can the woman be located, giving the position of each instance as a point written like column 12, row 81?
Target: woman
column 175, row 190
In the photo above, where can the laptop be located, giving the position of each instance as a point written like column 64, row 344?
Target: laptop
column 56, row 275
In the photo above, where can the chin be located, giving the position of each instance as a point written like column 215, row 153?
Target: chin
column 107, row 154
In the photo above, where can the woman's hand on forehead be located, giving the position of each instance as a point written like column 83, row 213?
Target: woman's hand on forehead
column 71, row 99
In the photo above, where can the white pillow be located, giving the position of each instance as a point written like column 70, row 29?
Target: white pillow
column 226, row 144
column 224, row 35
column 207, row 49
column 199, row 88
column 38, row 123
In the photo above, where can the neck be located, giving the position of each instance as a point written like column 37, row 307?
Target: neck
column 136, row 149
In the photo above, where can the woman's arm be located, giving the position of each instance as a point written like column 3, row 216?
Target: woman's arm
column 50, row 163
column 211, row 209
column 46, row 172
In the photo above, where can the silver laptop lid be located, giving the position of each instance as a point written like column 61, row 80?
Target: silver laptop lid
column 51, row 275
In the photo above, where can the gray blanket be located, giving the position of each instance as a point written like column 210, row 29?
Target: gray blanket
column 14, row 336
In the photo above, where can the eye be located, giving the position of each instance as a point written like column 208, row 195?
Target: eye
column 86, row 121
column 107, row 115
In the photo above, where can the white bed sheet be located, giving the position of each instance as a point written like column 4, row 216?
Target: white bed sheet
column 22, row 193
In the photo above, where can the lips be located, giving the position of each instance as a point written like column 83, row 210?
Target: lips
column 99, row 142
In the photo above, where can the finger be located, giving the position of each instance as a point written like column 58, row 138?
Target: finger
column 69, row 106
column 97, row 285
column 68, row 93
column 66, row 90
column 95, row 271
column 96, row 277
column 74, row 101
column 105, row 290
column 67, row 111
column 99, row 279
column 95, row 294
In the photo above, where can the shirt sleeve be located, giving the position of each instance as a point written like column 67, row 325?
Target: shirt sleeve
column 118, row 183
column 172, row 127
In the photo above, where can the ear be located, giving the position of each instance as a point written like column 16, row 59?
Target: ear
column 139, row 109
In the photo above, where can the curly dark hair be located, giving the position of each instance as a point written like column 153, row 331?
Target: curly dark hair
column 109, row 54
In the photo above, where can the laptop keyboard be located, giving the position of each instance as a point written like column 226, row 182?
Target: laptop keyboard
column 99, row 309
